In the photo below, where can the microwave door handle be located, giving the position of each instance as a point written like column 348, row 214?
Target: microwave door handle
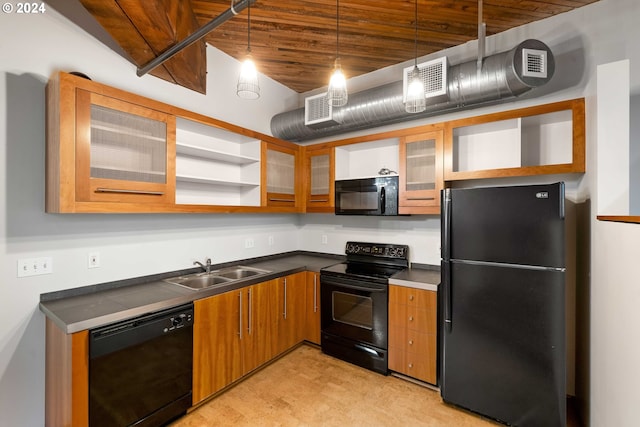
column 382, row 200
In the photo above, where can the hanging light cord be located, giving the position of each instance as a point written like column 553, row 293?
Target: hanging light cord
column 249, row 28
column 337, row 28
column 415, row 39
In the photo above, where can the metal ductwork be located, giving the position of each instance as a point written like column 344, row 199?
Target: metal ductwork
column 502, row 76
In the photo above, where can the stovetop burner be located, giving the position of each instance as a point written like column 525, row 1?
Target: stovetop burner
column 363, row 270
column 371, row 261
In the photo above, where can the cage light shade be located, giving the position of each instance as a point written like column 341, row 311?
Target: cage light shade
column 337, row 92
column 416, row 99
column 248, row 86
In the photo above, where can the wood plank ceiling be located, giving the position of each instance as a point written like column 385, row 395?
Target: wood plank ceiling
column 294, row 41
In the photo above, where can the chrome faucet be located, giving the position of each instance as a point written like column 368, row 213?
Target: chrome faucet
column 207, row 267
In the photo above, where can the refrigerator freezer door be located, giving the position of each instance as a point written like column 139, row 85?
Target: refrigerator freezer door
column 513, row 225
column 505, row 347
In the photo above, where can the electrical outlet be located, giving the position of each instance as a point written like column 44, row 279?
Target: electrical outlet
column 270, row 240
column 324, row 239
column 248, row 243
column 35, row 266
column 93, row 260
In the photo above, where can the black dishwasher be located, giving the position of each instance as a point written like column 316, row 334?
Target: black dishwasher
column 140, row 370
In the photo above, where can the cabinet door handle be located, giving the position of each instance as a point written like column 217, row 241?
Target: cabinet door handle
column 410, row 297
column 250, row 308
column 410, row 342
column 240, row 314
column 281, row 200
column 125, row 191
column 284, row 313
column 315, row 293
column 410, row 318
column 410, row 365
column 319, row 200
column 420, row 198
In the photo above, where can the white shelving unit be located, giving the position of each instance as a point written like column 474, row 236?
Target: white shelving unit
column 215, row 166
column 539, row 140
column 365, row 159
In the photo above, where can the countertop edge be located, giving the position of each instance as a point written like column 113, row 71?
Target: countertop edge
column 279, row 265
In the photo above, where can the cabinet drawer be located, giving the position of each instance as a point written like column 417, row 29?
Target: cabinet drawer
column 413, row 318
column 412, row 341
column 415, row 365
column 413, row 297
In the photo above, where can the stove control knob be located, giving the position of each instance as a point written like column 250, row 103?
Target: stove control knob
column 176, row 321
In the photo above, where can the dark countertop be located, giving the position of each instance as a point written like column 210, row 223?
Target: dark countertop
column 92, row 306
column 427, row 278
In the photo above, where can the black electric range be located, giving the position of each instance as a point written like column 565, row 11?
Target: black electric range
column 354, row 303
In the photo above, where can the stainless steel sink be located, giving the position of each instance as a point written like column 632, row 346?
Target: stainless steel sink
column 216, row 277
column 198, row 281
column 235, row 273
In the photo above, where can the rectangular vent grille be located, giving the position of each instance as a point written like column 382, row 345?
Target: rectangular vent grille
column 317, row 111
column 534, row 63
column 434, row 77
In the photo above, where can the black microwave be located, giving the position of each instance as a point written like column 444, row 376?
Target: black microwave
column 367, row 196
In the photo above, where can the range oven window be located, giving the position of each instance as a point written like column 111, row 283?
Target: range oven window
column 355, row 310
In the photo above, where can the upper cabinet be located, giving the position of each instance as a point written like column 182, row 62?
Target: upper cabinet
column 319, row 173
column 546, row 139
column 215, row 166
column 280, row 181
column 104, row 150
column 420, row 173
column 112, row 151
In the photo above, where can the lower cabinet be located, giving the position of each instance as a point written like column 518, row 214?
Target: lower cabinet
column 239, row 331
column 312, row 324
column 413, row 332
column 66, row 377
column 217, row 357
column 291, row 302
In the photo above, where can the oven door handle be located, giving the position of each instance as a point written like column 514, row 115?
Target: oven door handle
column 344, row 283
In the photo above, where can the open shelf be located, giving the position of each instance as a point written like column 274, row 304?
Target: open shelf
column 212, row 154
column 215, row 166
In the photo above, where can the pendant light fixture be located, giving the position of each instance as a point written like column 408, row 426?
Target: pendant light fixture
column 415, row 99
column 248, row 86
column 337, row 92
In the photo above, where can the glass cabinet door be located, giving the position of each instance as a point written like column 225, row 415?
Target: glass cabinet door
column 280, row 176
column 319, row 169
column 421, row 171
column 125, row 152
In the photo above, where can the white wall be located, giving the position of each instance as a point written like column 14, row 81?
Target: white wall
column 32, row 47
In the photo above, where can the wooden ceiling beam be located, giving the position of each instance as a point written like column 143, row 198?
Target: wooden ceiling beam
column 146, row 28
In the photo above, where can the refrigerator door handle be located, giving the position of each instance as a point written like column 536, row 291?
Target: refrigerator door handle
column 446, row 225
column 446, row 296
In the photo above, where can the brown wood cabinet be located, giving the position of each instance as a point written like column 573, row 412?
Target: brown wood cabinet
column 312, row 325
column 413, row 332
column 106, row 148
column 66, row 378
column 280, row 175
column 217, row 357
column 233, row 334
column 260, row 320
column 291, row 303
column 319, row 178
column 239, row 331
column 420, row 178
column 544, row 139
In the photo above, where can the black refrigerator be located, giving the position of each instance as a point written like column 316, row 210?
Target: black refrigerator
column 503, row 303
